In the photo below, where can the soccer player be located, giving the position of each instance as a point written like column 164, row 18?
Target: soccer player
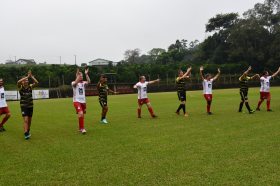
column 244, row 90
column 103, row 90
column 141, row 86
column 207, row 87
column 79, row 97
column 265, row 89
column 4, row 110
column 26, row 101
column 181, row 90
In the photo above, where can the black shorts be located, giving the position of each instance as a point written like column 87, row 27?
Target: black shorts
column 26, row 111
column 244, row 95
column 182, row 96
column 103, row 103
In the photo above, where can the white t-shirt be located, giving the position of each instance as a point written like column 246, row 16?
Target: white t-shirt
column 265, row 84
column 79, row 92
column 142, row 90
column 207, row 86
column 3, row 102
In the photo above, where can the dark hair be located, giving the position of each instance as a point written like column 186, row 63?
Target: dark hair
column 264, row 72
column 103, row 76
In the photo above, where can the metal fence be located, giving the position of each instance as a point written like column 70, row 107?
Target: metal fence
column 167, row 85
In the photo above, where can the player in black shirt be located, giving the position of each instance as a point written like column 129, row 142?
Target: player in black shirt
column 26, row 101
column 181, row 89
column 103, row 90
column 244, row 87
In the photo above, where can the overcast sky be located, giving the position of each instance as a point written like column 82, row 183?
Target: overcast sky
column 46, row 29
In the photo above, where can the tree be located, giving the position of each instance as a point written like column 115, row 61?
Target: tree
column 131, row 56
column 156, row 52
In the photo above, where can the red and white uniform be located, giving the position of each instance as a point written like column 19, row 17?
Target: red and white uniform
column 3, row 104
column 142, row 92
column 265, row 87
column 79, row 96
column 79, row 92
column 207, row 86
column 265, row 84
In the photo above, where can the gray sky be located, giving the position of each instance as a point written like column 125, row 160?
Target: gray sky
column 46, row 29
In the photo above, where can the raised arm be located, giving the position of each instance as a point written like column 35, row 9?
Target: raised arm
column 255, row 76
column 186, row 75
column 77, row 78
column 154, row 81
column 19, row 83
column 35, row 81
column 245, row 73
column 87, row 76
column 217, row 75
column 276, row 73
column 201, row 72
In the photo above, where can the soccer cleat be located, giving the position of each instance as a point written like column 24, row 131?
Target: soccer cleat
column 139, row 117
column 252, row 111
column 154, row 116
column 186, row 115
column 209, row 113
column 269, row 110
column 27, row 136
column 258, row 109
column 178, row 113
column 2, row 129
column 104, row 121
column 83, row 131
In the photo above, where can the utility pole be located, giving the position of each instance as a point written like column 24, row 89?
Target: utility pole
column 75, row 59
column 60, row 59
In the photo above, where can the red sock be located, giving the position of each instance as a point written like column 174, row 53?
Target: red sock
column 151, row 111
column 208, row 108
column 5, row 119
column 268, row 105
column 81, row 123
column 259, row 104
column 139, row 113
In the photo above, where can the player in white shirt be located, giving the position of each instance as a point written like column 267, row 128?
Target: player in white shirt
column 4, row 110
column 79, row 97
column 207, row 82
column 265, row 89
column 141, row 86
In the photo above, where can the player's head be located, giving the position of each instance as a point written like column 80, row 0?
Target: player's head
column 265, row 73
column 103, row 78
column 25, row 82
column 142, row 79
column 1, row 82
column 180, row 73
column 80, row 76
column 208, row 76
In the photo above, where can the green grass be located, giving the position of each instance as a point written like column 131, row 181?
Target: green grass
column 228, row 148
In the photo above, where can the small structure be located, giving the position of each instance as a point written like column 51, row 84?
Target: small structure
column 101, row 63
column 25, row 62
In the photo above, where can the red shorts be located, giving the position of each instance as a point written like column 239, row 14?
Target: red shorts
column 80, row 107
column 265, row 95
column 143, row 101
column 208, row 97
column 4, row 110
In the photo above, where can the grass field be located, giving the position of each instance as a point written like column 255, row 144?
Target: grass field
column 227, row 148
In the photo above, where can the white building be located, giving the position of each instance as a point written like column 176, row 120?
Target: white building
column 25, row 62
column 101, row 62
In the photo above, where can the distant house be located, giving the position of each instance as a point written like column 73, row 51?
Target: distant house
column 10, row 62
column 25, row 62
column 101, row 63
